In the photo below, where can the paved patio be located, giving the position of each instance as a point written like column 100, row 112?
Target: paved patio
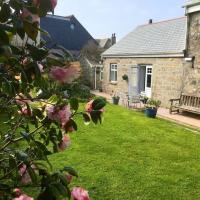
column 184, row 118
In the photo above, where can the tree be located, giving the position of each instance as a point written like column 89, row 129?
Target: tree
column 92, row 52
column 35, row 111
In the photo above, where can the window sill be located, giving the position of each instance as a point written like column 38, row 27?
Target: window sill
column 113, row 82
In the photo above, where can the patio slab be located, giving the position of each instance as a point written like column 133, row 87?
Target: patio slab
column 184, row 118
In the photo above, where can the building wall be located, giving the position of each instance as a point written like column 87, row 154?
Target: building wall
column 192, row 69
column 167, row 78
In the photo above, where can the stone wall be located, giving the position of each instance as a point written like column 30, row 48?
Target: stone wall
column 167, row 78
column 192, row 69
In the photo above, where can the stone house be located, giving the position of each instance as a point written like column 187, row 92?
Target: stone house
column 161, row 59
column 69, row 33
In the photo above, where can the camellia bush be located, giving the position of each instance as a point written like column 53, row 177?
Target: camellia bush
column 37, row 114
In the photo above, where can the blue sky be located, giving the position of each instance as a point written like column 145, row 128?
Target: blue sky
column 103, row 17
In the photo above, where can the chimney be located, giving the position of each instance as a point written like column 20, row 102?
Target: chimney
column 113, row 39
column 150, row 21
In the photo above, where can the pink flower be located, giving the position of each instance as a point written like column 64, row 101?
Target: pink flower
column 27, row 15
column 25, row 177
column 36, row 2
column 62, row 115
column 79, row 193
column 23, row 197
column 88, row 107
column 69, row 178
column 25, row 111
column 18, row 195
column 22, row 100
column 65, row 75
column 17, row 192
column 41, row 68
column 65, row 143
column 25, row 61
column 53, row 4
column 23, row 172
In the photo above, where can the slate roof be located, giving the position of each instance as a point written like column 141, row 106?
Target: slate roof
column 156, row 39
column 65, row 31
column 192, row 2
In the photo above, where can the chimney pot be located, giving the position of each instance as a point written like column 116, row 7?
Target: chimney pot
column 150, row 21
column 113, row 39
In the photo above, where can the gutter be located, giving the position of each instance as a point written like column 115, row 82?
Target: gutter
column 178, row 55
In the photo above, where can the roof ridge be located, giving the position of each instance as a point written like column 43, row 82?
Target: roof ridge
column 163, row 21
column 60, row 17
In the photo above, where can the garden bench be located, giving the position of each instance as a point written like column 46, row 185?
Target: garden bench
column 186, row 102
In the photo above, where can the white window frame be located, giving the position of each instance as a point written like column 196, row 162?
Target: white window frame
column 101, row 74
column 113, row 69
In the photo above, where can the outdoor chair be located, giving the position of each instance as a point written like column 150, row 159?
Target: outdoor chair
column 134, row 101
column 124, row 99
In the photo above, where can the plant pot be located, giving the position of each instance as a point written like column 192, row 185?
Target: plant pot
column 151, row 112
column 115, row 100
column 144, row 101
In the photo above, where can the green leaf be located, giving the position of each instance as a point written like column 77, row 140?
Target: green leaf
column 96, row 116
column 63, row 180
column 5, row 12
column 86, row 118
column 26, row 136
column 12, row 162
column 74, row 104
column 53, row 99
column 4, row 39
column 38, row 113
column 21, row 33
column 42, row 147
column 54, row 61
column 16, row 50
column 62, row 189
column 71, row 124
column 31, row 29
column 98, row 104
column 21, row 156
column 38, row 54
column 45, row 7
column 15, row 4
column 32, row 174
column 60, row 136
column 71, row 171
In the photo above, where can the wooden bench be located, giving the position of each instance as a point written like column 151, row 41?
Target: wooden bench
column 186, row 102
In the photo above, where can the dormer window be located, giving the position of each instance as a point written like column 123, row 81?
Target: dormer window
column 72, row 27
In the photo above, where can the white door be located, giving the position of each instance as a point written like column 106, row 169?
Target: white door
column 148, row 81
column 133, row 80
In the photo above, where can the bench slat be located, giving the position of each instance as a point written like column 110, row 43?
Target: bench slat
column 190, row 103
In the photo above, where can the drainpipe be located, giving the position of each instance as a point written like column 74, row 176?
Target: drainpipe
column 95, row 78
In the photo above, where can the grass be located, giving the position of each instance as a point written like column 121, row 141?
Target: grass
column 131, row 157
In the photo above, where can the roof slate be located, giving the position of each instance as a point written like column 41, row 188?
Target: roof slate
column 167, row 37
column 191, row 3
column 65, row 31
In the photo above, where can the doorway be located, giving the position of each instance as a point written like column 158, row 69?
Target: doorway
column 145, row 79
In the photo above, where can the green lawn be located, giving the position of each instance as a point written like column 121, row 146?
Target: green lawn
column 132, row 157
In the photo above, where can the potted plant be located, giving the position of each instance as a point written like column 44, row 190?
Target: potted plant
column 143, row 98
column 115, row 99
column 125, row 77
column 152, row 107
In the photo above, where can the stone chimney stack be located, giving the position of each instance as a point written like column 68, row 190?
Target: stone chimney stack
column 113, row 39
column 150, row 21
